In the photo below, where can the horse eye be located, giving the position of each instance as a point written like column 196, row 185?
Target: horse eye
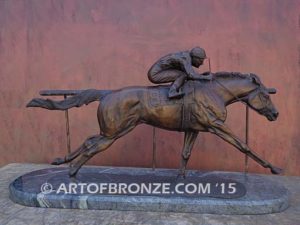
column 266, row 97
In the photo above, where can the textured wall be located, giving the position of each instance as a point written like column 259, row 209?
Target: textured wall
column 75, row 44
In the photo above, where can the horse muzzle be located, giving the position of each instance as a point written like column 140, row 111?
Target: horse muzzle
column 272, row 116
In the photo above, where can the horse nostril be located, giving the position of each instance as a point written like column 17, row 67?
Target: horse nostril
column 276, row 114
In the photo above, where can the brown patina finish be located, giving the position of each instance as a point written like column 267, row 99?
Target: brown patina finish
column 202, row 109
column 177, row 68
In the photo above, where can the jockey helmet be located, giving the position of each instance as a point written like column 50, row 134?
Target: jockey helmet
column 198, row 52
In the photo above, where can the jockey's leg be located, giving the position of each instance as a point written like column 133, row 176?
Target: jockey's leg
column 165, row 76
column 176, row 76
column 175, row 91
column 178, row 83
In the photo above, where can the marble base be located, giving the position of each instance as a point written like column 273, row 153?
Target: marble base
column 255, row 194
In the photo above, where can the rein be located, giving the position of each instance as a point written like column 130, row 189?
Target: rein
column 237, row 98
column 230, row 92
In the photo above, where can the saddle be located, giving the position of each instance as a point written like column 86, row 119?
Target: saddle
column 158, row 97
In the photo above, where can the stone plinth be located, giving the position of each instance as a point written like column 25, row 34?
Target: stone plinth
column 228, row 193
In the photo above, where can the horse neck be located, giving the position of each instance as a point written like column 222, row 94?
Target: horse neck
column 231, row 89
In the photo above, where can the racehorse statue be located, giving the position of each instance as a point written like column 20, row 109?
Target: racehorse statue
column 202, row 109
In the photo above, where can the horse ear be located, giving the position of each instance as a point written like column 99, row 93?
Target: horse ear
column 271, row 90
column 255, row 79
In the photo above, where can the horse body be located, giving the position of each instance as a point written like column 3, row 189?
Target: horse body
column 202, row 104
column 202, row 109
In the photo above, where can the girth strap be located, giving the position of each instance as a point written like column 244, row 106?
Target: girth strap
column 188, row 102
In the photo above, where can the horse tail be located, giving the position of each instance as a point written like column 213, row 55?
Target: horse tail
column 84, row 97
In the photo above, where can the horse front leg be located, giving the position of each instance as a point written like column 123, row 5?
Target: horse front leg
column 189, row 140
column 221, row 130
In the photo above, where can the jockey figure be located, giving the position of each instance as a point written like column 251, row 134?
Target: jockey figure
column 177, row 68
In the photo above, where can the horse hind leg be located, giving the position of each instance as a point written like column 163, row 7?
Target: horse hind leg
column 100, row 144
column 71, row 156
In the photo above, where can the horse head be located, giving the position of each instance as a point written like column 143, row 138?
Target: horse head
column 259, row 99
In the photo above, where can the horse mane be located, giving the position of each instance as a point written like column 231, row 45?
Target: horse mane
column 225, row 75
column 230, row 75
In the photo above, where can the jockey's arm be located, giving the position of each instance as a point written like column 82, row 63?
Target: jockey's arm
column 192, row 75
column 187, row 66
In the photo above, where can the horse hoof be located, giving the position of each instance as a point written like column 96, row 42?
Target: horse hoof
column 72, row 171
column 58, row 161
column 181, row 174
column 276, row 170
column 32, row 103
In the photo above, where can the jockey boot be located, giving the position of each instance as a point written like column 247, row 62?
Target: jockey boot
column 173, row 93
column 206, row 76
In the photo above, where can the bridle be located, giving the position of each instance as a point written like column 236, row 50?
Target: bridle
column 242, row 99
column 232, row 94
column 238, row 99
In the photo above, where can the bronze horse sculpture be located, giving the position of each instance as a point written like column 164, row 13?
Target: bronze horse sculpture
column 202, row 109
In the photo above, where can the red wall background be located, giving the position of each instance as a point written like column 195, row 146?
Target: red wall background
column 75, row 44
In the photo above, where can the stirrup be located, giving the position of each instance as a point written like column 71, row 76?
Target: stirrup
column 206, row 77
column 175, row 94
